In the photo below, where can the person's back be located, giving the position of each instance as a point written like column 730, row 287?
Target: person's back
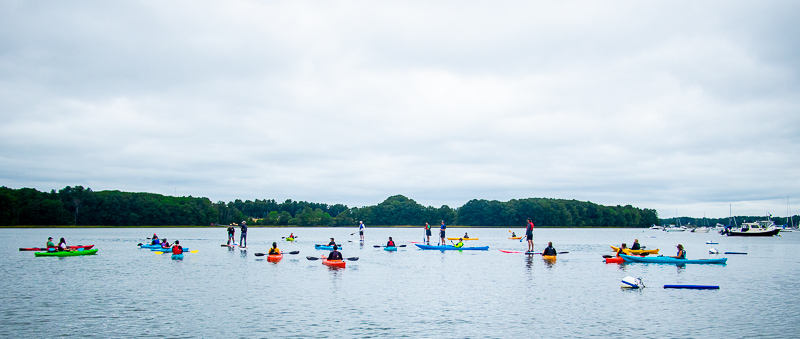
column 335, row 255
column 549, row 250
column 636, row 245
column 274, row 249
column 177, row 249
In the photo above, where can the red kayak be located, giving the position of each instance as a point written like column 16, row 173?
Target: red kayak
column 86, row 247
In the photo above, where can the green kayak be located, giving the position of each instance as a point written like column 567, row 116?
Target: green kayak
column 65, row 253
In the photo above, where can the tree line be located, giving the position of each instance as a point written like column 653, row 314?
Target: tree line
column 83, row 207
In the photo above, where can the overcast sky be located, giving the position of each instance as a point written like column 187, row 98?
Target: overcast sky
column 686, row 107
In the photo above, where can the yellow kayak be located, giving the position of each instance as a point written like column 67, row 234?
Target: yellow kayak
column 515, row 238
column 635, row 252
column 462, row 238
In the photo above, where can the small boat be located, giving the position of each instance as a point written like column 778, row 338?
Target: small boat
column 274, row 257
column 701, row 230
column 334, row 263
column 675, row 229
column 763, row 228
column 326, row 247
column 451, row 248
column 508, row 251
column 671, row 260
column 615, row 260
column 177, row 256
column 462, row 238
column 289, row 239
column 635, row 252
column 656, row 227
column 156, row 246
column 515, row 238
column 390, row 248
column 65, row 253
column 549, row 257
column 38, row 249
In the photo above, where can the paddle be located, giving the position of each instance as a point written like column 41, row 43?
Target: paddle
column 558, row 253
column 263, row 254
column 317, row 258
column 378, row 246
column 159, row 252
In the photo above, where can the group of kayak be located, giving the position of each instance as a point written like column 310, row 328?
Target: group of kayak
column 637, row 253
column 163, row 245
column 60, row 250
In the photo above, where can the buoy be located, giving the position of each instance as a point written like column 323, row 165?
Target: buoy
column 713, row 251
column 631, row 282
column 693, row 287
column 711, row 242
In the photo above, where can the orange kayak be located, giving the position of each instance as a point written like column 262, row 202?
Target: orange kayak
column 274, row 257
column 333, row 263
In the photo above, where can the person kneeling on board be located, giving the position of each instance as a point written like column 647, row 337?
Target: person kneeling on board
column 177, row 249
column 390, row 243
column 335, row 255
column 274, row 249
column 549, row 251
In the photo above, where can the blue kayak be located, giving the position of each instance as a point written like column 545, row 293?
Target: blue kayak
column 168, row 249
column 451, row 248
column 326, row 247
column 150, row 246
column 671, row 260
column 177, row 256
column 390, row 248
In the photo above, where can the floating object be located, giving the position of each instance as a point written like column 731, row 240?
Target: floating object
column 289, row 239
column 390, row 248
column 326, row 247
column 636, row 252
column 65, row 253
column 693, row 287
column 671, row 260
column 274, row 257
column 85, row 247
column 712, row 243
column 515, row 238
column 735, row 252
column 549, row 257
column 451, row 247
column 713, row 251
column 334, row 263
column 177, row 256
column 507, row 251
column 631, row 282
column 615, row 260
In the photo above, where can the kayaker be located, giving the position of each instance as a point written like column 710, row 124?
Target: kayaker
column 231, row 233
column 428, row 233
column 274, row 249
column 460, row 243
column 165, row 243
column 291, row 236
column 332, row 243
column 466, row 236
column 335, row 255
column 681, row 253
column 155, row 240
column 550, row 250
column 529, row 234
column 177, row 249
column 361, row 230
column 621, row 249
column 50, row 245
column 636, row 245
column 513, row 234
column 390, row 243
column 62, row 245
column 442, row 228
column 243, row 234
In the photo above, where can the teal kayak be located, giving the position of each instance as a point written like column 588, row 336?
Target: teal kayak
column 451, row 248
column 390, row 248
column 326, row 247
column 671, row 260
column 65, row 253
column 177, row 256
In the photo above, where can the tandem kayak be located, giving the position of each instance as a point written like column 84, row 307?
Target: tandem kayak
column 671, row 260
column 38, row 249
column 463, row 238
column 274, row 257
column 451, row 247
column 65, row 253
column 333, row 263
column 326, row 247
column 390, row 248
column 635, row 252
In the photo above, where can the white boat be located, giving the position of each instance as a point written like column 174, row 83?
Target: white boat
column 675, row 229
column 763, row 228
column 656, row 227
column 701, row 229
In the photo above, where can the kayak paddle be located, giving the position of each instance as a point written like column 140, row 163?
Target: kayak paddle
column 263, row 254
column 317, row 258
column 159, row 252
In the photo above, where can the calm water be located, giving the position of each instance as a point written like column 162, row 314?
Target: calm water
column 124, row 291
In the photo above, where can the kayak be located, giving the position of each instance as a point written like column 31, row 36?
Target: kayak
column 65, row 253
column 150, row 246
column 615, row 260
column 671, row 260
column 326, row 247
column 390, row 248
column 333, row 263
column 507, row 251
column 289, row 239
column 86, row 247
column 168, row 249
column 274, row 257
column 549, row 257
column 177, row 256
column 637, row 252
column 515, row 238
column 462, row 238
column 451, row 247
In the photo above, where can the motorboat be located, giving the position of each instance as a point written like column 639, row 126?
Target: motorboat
column 763, row 228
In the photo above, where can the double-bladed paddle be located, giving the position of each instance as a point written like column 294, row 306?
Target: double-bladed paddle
column 317, row 258
column 263, row 254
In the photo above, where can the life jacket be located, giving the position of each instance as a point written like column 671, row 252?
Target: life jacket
column 177, row 249
column 274, row 250
column 459, row 245
column 549, row 251
column 390, row 244
column 335, row 255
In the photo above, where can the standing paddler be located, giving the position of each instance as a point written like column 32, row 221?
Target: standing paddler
column 427, row 233
column 442, row 228
column 529, row 235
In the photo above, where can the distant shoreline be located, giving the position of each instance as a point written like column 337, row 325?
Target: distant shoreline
column 433, row 228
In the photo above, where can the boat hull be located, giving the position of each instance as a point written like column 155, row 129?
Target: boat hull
column 326, row 247
column 85, row 247
column 463, row 238
column 334, row 263
column 635, row 252
column 274, row 257
column 452, row 248
column 671, row 260
column 390, row 249
column 65, row 253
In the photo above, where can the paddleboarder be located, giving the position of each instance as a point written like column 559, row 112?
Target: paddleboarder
column 529, row 235
column 361, row 230
column 427, row 233
column 243, row 235
column 442, row 228
column 549, row 250
column 231, row 233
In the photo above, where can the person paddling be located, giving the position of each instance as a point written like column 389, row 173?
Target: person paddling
column 243, row 234
column 442, row 229
column 335, row 255
column 529, row 235
column 274, row 249
column 390, row 243
column 231, row 233
column 332, row 242
column 155, row 240
column 681, row 253
column 427, row 233
column 549, row 251
column 50, row 245
column 636, row 245
column 621, row 249
column 177, row 249
column 361, row 230
column 460, row 243
column 291, row 236
column 165, row 243
column 62, row 245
